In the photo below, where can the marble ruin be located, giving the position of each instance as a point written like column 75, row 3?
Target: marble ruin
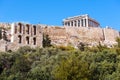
column 74, row 30
column 80, row 21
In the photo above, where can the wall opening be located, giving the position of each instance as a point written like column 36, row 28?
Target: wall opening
column 27, row 40
column 78, row 23
column 85, row 23
column 15, row 29
column 65, row 24
column 75, row 24
column 34, row 41
column 34, row 28
column 82, row 22
column 68, row 23
column 19, row 39
column 20, row 27
column 72, row 23
column 27, row 30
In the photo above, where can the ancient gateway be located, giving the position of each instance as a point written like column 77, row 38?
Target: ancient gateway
column 74, row 30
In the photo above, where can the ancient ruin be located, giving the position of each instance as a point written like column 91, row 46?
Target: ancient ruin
column 26, row 34
column 80, row 21
column 22, row 34
column 74, row 30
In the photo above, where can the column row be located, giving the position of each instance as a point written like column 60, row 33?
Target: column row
column 77, row 23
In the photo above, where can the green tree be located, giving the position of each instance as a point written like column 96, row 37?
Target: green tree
column 72, row 68
column 118, row 41
column 118, row 45
column 46, row 41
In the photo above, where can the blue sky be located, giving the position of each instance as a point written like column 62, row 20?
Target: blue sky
column 51, row 12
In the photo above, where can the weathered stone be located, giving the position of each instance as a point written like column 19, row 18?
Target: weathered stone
column 22, row 34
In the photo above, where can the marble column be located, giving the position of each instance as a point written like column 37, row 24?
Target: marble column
column 84, row 23
column 70, row 23
column 80, row 22
column 87, row 22
column 76, row 23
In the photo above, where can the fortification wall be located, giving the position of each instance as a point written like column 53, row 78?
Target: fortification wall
column 90, row 36
column 5, row 25
column 3, row 45
column 73, row 35
column 110, row 36
column 57, row 35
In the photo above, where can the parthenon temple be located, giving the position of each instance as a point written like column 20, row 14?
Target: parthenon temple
column 80, row 21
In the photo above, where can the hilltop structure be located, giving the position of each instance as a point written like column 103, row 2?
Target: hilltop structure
column 74, row 30
column 80, row 21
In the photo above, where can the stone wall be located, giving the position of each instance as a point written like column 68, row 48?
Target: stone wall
column 57, row 35
column 73, row 35
column 5, row 28
column 26, row 34
column 5, row 25
column 3, row 45
column 83, row 34
column 21, row 34
column 110, row 36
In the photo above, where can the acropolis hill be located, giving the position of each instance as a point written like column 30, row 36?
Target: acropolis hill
column 74, row 30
